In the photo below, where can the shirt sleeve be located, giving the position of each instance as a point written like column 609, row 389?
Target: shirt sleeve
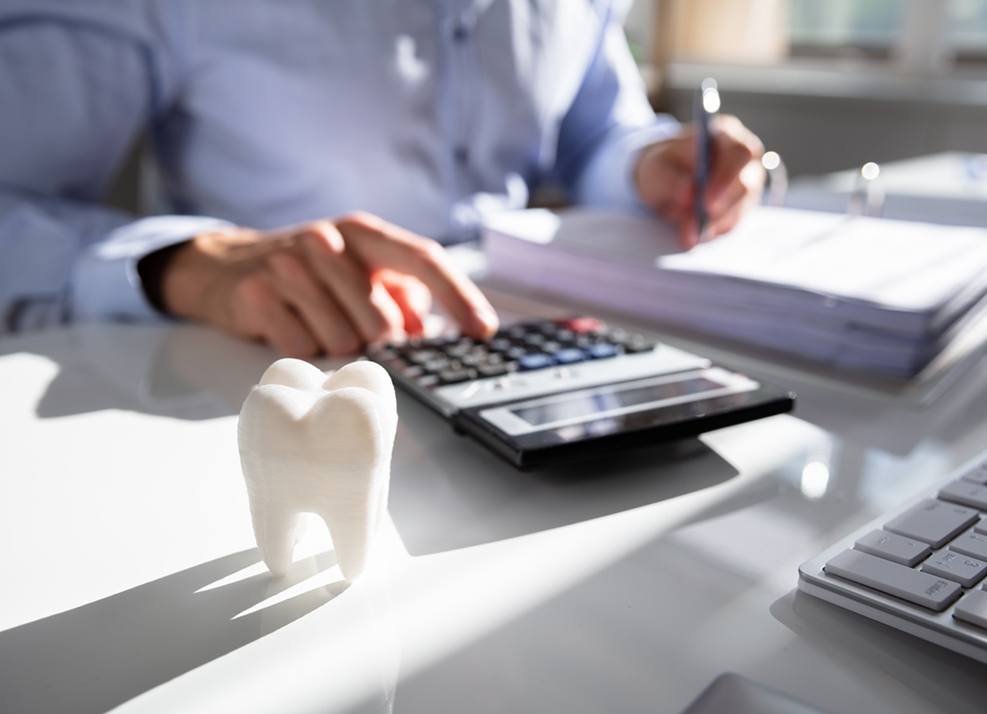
column 607, row 125
column 76, row 96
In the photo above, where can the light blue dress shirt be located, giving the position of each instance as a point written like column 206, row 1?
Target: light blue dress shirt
column 429, row 113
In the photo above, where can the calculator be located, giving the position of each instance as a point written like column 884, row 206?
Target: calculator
column 544, row 391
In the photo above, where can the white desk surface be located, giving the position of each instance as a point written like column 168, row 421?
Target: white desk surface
column 129, row 576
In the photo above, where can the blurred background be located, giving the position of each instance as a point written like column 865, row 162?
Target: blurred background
column 827, row 83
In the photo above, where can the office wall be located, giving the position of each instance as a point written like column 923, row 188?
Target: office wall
column 818, row 134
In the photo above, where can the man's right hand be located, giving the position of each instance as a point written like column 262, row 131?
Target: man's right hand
column 328, row 286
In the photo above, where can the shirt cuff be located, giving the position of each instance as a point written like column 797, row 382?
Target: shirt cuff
column 105, row 282
column 607, row 181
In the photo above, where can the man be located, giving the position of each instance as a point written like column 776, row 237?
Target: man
column 361, row 126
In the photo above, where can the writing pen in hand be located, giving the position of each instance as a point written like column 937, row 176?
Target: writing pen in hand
column 705, row 107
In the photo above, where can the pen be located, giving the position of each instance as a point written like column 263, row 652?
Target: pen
column 707, row 103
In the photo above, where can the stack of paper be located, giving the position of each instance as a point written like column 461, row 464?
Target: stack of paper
column 877, row 295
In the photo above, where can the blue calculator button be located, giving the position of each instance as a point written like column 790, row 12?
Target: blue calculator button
column 535, row 360
column 570, row 355
column 602, row 350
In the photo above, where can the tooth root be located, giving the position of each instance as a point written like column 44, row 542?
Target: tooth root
column 276, row 530
column 351, row 539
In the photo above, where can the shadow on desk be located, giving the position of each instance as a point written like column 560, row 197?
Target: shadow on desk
column 484, row 499
column 98, row 656
column 181, row 371
column 938, row 675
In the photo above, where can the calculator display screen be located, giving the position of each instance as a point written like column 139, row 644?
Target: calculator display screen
column 588, row 405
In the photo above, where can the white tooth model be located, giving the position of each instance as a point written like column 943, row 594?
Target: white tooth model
column 317, row 443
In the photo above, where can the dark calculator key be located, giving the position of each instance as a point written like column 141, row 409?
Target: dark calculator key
column 459, row 351
column 429, row 380
column 551, row 347
column 474, row 359
column 516, row 352
column 535, row 360
column 517, row 332
column 437, row 365
column 501, row 344
column 413, row 371
column 454, row 376
column 492, row 370
column 602, row 350
column 535, row 340
column 422, row 356
column 383, row 354
column 638, row 344
column 439, row 341
column 618, row 335
column 495, row 358
column 570, row 355
column 564, row 335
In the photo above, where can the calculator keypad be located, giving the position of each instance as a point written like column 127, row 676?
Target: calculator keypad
column 528, row 346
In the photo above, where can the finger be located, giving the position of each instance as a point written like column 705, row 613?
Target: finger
column 370, row 308
column 734, row 147
column 381, row 245
column 728, row 221
column 313, row 303
column 411, row 296
column 259, row 311
column 736, row 192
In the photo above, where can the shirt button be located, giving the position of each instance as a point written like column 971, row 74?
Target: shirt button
column 460, row 32
column 461, row 154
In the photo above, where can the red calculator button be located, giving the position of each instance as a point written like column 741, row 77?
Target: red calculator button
column 582, row 324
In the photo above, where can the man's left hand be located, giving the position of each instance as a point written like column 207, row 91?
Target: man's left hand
column 664, row 178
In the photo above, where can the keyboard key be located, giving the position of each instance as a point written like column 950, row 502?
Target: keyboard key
column 957, row 567
column 893, row 579
column 933, row 522
column 965, row 492
column 972, row 608
column 570, row 355
column 971, row 543
column 977, row 475
column 535, row 360
column 602, row 350
column 893, row 547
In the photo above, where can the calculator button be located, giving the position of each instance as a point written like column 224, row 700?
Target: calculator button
column 638, row 344
column 569, row 355
column 582, row 324
column 972, row 608
column 535, row 360
column 455, row 376
column 413, row 371
column 421, row 356
column 437, row 365
column 933, row 522
column 893, row 547
column 602, row 350
column 428, row 381
column 894, row 579
column 492, row 370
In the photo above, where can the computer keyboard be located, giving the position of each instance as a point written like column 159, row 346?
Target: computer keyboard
column 921, row 570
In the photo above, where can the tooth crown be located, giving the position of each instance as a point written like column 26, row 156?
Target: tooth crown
column 318, row 444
